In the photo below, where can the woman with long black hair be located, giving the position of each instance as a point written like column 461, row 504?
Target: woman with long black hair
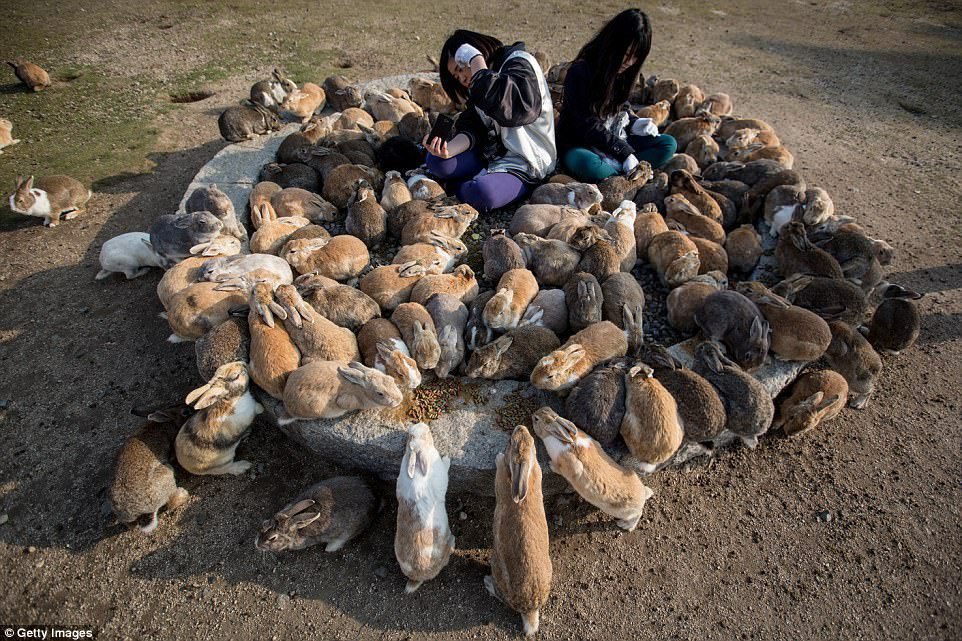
column 598, row 136
column 504, row 142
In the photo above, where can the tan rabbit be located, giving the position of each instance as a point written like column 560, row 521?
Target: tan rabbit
column 198, row 308
column 590, row 471
column 273, row 354
column 684, row 130
column 423, row 541
column 548, row 309
column 228, row 342
column 206, row 444
column 719, row 104
column 711, row 256
column 439, row 255
column 30, row 74
column 623, row 301
column 317, row 338
column 689, row 98
column 729, row 126
column 515, row 291
column 366, row 219
column 325, row 389
column 648, row 224
column 683, row 184
column 272, row 235
column 450, row 318
column 687, row 298
column 419, row 332
column 674, row 257
column 692, row 220
column 758, row 151
column 501, row 254
column 592, row 346
column 460, row 283
column 451, row 221
column 343, row 305
column 50, row 197
column 520, row 560
column 260, row 202
column 815, row 397
column 703, row 149
column 391, row 285
column 180, row 276
column 652, row 428
column 6, row 134
column 744, row 248
column 383, row 349
column 295, row 201
column 143, row 479
column 796, row 333
column 658, row 112
column 539, row 219
column 303, row 103
column 395, row 191
column 743, row 138
column 384, row 106
column 341, row 257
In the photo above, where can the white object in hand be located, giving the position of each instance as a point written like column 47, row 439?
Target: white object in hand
column 644, row 127
column 630, row 163
column 465, row 54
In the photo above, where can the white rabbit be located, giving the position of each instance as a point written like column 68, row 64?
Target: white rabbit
column 130, row 253
column 423, row 542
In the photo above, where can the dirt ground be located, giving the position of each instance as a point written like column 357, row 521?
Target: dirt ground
column 865, row 94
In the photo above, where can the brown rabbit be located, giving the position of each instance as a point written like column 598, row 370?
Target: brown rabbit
column 391, row 285
column 648, row 224
column 143, row 478
column 515, row 291
column 744, row 248
column 687, row 298
column 273, row 354
column 797, row 334
column 795, row 254
column 684, row 130
column 30, row 74
column 815, row 397
column 207, row 442
column 366, row 219
column 520, row 560
column 652, row 428
column 419, row 332
column 692, row 220
column 658, row 112
column 852, row 356
column 340, row 257
column 513, row 355
column 683, row 184
column 317, row 338
column 596, row 344
column 675, row 258
column 49, row 197
column 590, row 471
column 383, row 348
column 460, row 283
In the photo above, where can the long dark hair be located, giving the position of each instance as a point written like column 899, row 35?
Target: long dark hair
column 628, row 33
column 487, row 45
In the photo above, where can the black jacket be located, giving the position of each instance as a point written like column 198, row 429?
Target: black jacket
column 507, row 92
column 578, row 126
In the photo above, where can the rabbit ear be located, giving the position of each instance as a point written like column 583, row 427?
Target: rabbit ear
column 535, row 316
column 352, row 374
column 827, row 402
column 812, row 401
column 412, row 460
column 182, row 222
column 573, row 350
column 297, row 508
column 563, row 430
column 502, row 345
column 520, row 471
column 758, row 330
column 197, row 393
column 28, row 185
column 384, row 349
column 303, row 520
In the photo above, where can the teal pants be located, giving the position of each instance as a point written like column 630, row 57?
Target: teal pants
column 587, row 166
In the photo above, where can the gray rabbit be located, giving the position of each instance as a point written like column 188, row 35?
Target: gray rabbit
column 215, row 201
column 173, row 235
column 731, row 319
column 243, row 122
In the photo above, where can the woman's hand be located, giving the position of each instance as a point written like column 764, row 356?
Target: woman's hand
column 446, row 149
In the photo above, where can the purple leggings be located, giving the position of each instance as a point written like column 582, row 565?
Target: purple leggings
column 484, row 193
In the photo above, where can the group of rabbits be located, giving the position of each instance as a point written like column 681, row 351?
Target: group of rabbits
column 322, row 321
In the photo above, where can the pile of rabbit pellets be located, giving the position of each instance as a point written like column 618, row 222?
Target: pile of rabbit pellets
column 354, row 287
